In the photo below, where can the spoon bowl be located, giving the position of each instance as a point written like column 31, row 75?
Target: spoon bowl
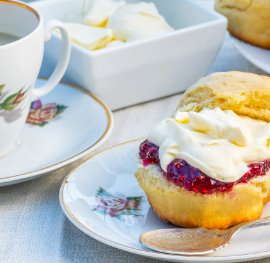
column 194, row 241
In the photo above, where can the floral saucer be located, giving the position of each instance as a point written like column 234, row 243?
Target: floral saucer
column 103, row 199
column 62, row 127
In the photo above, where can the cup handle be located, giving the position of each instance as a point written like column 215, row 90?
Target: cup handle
column 62, row 63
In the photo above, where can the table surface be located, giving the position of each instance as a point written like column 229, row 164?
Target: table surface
column 33, row 227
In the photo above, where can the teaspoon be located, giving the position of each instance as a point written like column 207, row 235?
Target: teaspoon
column 194, row 241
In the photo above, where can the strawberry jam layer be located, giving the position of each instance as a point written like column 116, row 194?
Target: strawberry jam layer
column 182, row 174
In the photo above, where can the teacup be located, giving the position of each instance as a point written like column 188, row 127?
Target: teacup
column 23, row 31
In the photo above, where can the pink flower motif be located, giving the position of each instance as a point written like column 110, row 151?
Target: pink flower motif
column 39, row 113
column 113, row 205
column 37, row 104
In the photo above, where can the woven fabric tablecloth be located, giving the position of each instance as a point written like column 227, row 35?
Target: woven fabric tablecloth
column 33, row 227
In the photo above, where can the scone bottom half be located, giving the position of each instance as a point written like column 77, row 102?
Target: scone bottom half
column 187, row 197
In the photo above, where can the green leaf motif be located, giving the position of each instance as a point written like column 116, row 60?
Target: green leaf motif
column 60, row 109
column 32, row 105
column 102, row 192
column 102, row 212
column 133, row 209
column 136, row 198
column 127, row 213
column 41, row 124
column 1, row 88
column 9, row 103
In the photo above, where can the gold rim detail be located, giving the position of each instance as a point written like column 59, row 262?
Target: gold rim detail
column 21, row 5
column 104, row 134
column 63, row 186
column 62, row 190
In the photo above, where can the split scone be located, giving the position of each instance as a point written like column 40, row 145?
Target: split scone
column 248, row 20
column 209, row 164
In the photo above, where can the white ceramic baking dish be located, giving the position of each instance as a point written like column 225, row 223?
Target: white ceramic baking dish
column 141, row 70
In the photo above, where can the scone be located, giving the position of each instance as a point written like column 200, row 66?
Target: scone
column 248, row 20
column 209, row 165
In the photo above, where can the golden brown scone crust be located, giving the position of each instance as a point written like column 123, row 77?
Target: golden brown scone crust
column 248, row 20
column 189, row 209
column 244, row 93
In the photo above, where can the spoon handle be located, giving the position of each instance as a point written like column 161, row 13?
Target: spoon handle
column 255, row 223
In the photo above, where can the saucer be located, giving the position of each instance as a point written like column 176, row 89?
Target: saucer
column 258, row 56
column 64, row 125
column 103, row 199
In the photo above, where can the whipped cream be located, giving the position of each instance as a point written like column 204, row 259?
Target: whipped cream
column 136, row 21
column 97, row 11
column 219, row 143
column 123, row 22
column 115, row 43
column 89, row 37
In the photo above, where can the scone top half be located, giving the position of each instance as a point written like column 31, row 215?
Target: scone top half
column 208, row 165
column 221, row 125
column 245, row 94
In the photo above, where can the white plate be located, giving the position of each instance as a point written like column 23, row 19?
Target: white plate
column 258, row 56
column 83, row 126
column 113, row 170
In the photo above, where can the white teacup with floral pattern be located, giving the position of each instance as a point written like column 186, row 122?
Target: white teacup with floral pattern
column 20, row 63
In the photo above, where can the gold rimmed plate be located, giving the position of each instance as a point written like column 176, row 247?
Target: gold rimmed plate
column 62, row 127
column 103, row 199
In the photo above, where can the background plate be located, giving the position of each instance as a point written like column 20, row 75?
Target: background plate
column 258, row 56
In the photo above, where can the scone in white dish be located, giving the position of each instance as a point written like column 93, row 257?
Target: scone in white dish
column 145, row 69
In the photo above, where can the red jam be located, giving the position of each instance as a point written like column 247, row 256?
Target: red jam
column 182, row 174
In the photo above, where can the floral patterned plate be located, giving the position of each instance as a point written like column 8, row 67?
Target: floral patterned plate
column 62, row 127
column 103, row 199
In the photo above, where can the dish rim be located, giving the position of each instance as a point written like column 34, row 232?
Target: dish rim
column 246, row 55
column 133, row 250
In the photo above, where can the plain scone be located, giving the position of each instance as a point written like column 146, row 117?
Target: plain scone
column 248, row 20
column 246, row 94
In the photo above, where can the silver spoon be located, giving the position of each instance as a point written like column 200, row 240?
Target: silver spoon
column 194, row 241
